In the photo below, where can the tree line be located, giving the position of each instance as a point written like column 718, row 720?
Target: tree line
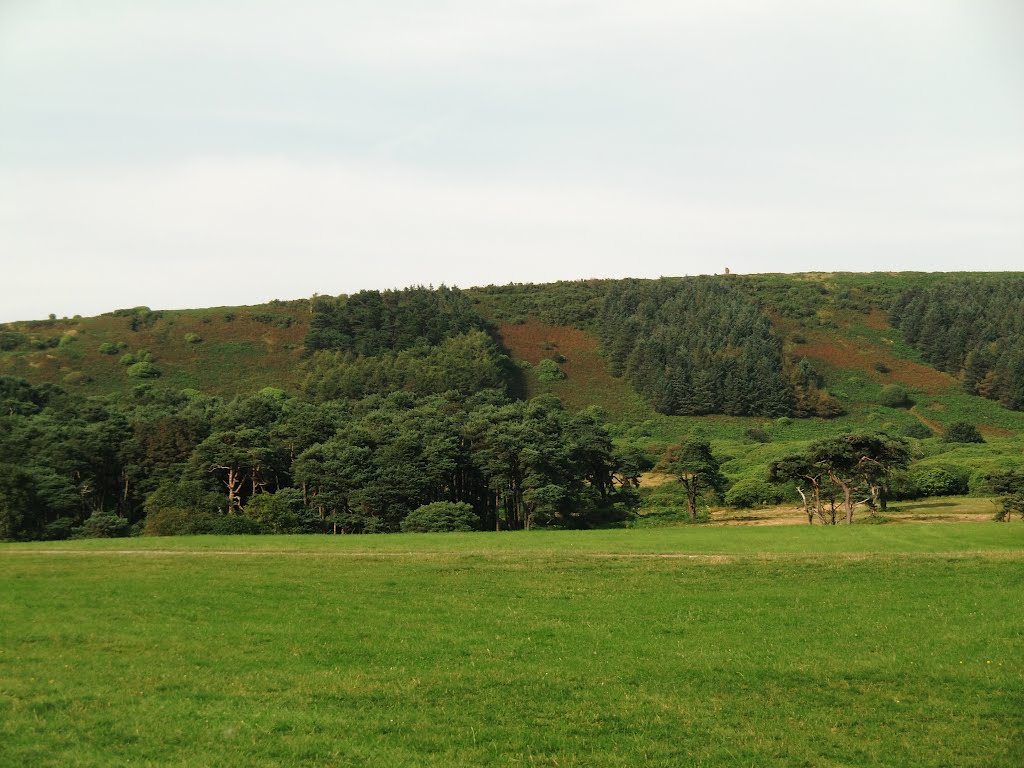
column 182, row 462
column 371, row 322
column 972, row 327
column 701, row 346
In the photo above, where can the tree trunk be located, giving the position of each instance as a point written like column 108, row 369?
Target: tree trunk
column 691, row 499
column 807, row 507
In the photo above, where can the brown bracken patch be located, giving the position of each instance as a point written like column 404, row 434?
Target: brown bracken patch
column 533, row 341
column 588, row 381
column 842, row 353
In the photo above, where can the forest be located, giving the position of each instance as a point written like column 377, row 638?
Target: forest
column 972, row 327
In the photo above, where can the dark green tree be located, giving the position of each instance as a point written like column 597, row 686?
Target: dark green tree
column 860, row 461
column 1009, row 485
column 692, row 464
column 962, row 432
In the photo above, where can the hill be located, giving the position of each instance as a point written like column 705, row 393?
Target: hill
column 532, row 404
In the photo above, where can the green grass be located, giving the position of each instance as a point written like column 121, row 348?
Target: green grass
column 888, row 645
column 947, row 409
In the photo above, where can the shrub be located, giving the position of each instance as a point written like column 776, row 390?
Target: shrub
column 281, row 512
column 184, row 494
column 102, row 525
column 262, row 317
column 935, row 481
column 109, row 348
column 222, row 525
column 758, row 435
column 185, row 521
column 441, row 516
column 667, row 503
column 917, row 430
column 895, row 396
column 962, row 432
column 548, row 370
column 47, row 343
column 170, row 521
column 10, row 340
column 131, row 358
column 193, row 338
column 751, row 492
column 882, row 367
column 59, row 529
column 76, row 377
column 143, row 371
column 66, row 339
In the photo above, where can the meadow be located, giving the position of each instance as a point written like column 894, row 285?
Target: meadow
column 741, row 646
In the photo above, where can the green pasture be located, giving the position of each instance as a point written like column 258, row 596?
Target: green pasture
column 788, row 646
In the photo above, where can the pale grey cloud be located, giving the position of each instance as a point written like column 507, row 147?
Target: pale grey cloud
column 179, row 153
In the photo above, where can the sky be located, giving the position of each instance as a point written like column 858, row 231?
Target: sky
column 193, row 153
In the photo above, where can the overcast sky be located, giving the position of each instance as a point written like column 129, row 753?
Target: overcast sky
column 181, row 153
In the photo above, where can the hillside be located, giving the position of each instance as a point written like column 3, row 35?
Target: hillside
column 530, row 404
column 219, row 350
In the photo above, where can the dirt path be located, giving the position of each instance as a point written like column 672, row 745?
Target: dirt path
column 702, row 557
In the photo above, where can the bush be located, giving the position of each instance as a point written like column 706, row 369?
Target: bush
column 751, row 492
column 48, row 343
column 917, row 430
column 10, row 340
column 131, row 358
column 109, row 348
column 222, row 525
column 143, row 371
column 76, row 377
column 59, row 529
column 758, row 435
column 175, row 503
column 281, row 512
column 441, row 516
column 935, row 481
column 548, row 370
column 962, row 432
column 193, row 338
column 102, row 525
column 182, row 521
column 170, row 521
column 895, row 396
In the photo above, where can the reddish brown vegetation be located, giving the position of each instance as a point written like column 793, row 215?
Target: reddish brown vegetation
column 867, row 357
column 588, row 381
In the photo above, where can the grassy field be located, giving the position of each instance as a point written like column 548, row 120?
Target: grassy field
column 752, row 646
